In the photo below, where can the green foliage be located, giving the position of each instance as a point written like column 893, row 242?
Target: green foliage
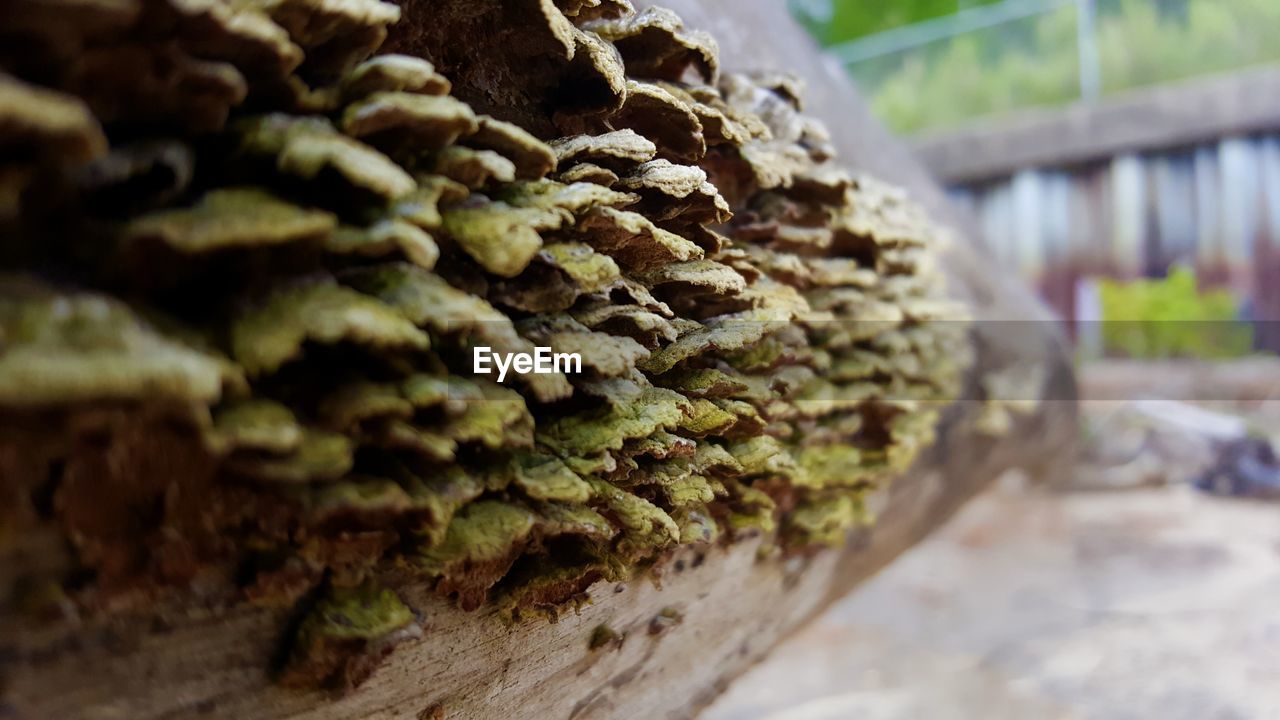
column 1171, row 318
column 1034, row 61
column 852, row 19
column 1142, row 47
column 980, row 74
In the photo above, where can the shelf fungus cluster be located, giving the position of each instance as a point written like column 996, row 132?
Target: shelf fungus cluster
column 250, row 246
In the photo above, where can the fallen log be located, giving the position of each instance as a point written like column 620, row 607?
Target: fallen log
column 663, row 642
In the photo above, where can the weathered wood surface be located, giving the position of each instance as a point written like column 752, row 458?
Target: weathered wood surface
column 733, row 606
column 1169, row 116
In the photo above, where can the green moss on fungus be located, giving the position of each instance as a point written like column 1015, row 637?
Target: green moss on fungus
column 346, row 635
column 762, row 333
column 481, row 543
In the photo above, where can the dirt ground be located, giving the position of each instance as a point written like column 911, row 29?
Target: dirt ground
column 1141, row 603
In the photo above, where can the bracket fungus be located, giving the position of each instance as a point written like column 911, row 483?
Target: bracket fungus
column 764, row 338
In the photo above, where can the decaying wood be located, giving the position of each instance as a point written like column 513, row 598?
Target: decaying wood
column 728, row 608
column 675, row 647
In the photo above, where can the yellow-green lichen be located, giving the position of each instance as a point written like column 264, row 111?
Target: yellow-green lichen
column 696, row 524
column 825, row 522
column 385, row 238
column 365, row 612
column 548, row 478
column 650, row 410
column 705, row 418
column 482, row 541
column 424, row 122
column 688, row 489
column 606, row 354
column 353, row 404
column 588, row 269
column 752, row 509
column 833, row 466
column 660, row 445
column 502, row 238
column 342, row 638
column 232, row 217
column 307, row 148
column 645, row 526
column 357, row 496
column 258, row 424
column 499, row 418
column 532, row 157
column 634, row 240
column 274, row 332
column 320, row 455
column 621, row 146
column 431, row 445
column 576, row 198
column 727, row 333
column 577, row 520
column 703, row 383
column 422, row 206
column 764, row 456
column 387, row 73
column 734, row 376
column 604, row 635
column 474, row 168
column 71, row 348
column 441, row 495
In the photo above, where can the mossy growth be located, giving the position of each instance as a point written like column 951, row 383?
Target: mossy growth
column 604, row 636
column 345, row 635
column 756, row 325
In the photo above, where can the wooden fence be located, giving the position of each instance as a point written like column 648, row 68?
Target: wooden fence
column 1185, row 174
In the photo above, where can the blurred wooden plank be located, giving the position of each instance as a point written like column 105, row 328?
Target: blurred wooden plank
column 1250, row 379
column 1200, row 110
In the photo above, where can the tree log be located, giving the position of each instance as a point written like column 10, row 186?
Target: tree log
column 676, row 638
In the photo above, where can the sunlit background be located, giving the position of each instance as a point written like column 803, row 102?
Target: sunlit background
column 935, row 64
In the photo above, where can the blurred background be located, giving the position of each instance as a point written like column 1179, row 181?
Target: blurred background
column 1123, row 157
column 1095, row 141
